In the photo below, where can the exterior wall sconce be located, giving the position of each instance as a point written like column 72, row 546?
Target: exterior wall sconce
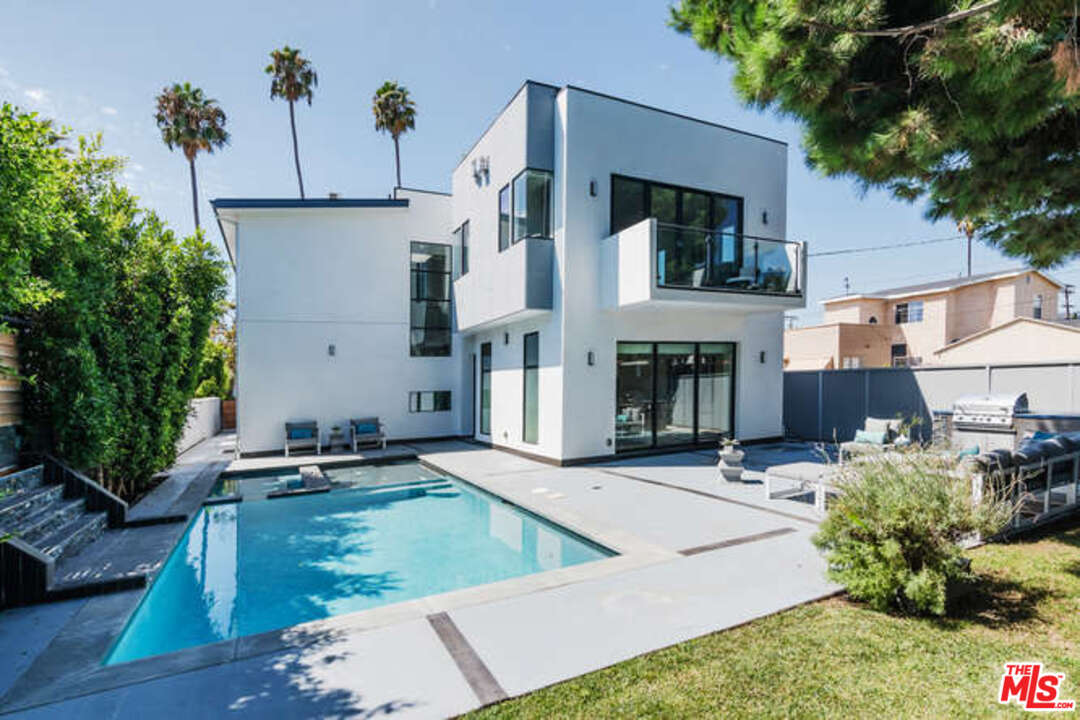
column 590, row 357
column 593, row 189
column 506, row 338
column 764, row 217
column 481, row 169
column 762, row 357
column 331, row 350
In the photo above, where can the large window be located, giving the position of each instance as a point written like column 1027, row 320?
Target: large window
column 531, row 395
column 429, row 401
column 909, row 312
column 485, row 389
column 633, row 200
column 504, row 218
column 673, row 393
column 532, row 205
column 461, row 240
column 429, row 307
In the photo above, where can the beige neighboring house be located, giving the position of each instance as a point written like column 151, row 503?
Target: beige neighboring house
column 931, row 323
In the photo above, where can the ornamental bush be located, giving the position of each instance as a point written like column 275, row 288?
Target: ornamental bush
column 893, row 535
column 118, row 306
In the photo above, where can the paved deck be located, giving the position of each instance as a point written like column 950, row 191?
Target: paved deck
column 699, row 555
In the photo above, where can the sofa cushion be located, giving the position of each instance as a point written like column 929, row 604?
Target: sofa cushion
column 301, row 434
column 366, row 428
column 870, row 437
column 882, row 425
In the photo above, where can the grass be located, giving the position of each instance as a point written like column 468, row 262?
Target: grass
column 837, row 659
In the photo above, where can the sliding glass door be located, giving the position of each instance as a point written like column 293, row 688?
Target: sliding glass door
column 485, row 389
column 670, row 394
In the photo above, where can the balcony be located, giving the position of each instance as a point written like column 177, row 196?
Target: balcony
column 515, row 285
column 656, row 263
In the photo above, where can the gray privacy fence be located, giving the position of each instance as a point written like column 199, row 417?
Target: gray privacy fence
column 823, row 404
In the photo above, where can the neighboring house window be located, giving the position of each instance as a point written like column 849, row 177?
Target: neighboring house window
column 485, row 389
column 504, row 218
column 851, row 363
column 1036, row 307
column 909, row 312
column 532, row 205
column 531, row 400
column 429, row 401
column 461, row 239
column 898, row 353
column 429, row 308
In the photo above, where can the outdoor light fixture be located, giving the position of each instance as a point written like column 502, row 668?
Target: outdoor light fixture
column 592, row 188
column 764, row 217
column 332, row 350
column 762, row 357
column 481, row 169
column 590, row 357
column 506, row 338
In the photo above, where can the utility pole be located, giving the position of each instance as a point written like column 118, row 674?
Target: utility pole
column 1068, row 315
column 847, row 285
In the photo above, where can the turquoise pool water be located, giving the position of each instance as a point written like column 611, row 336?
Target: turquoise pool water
column 260, row 565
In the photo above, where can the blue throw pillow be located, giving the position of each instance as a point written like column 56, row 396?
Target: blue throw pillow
column 871, row 438
column 969, row 452
column 301, row 434
column 366, row 428
column 1042, row 435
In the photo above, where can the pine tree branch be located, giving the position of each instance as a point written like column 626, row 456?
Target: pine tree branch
column 911, row 29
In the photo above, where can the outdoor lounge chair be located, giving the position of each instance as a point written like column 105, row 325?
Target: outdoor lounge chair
column 367, row 431
column 878, row 435
column 302, row 435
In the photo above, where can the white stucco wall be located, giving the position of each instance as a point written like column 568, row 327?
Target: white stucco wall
column 310, row 278
column 204, row 421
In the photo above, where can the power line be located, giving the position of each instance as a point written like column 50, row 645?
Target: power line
column 849, row 251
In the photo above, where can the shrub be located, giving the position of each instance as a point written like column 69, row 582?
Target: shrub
column 893, row 534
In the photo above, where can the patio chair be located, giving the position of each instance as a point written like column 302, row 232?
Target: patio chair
column 302, row 435
column 878, row 435
column 367, row 431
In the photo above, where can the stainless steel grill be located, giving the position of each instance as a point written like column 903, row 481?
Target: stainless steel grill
column 988, row 411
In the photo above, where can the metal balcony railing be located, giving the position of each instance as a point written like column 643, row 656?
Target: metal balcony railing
column 703, row 259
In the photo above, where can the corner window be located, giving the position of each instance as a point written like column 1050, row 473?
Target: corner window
column 504, row 218
column 909, row 312
column 429, row 401
column 1036, row 307
column 532, row 205
column 430, row 267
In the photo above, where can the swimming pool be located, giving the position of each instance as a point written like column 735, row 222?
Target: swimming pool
column 392, row 535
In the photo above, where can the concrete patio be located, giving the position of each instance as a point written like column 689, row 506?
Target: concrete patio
column 697, row 555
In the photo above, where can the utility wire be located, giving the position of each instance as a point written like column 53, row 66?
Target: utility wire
column 849, row 251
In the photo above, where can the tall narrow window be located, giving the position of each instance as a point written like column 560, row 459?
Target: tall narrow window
column 1036, row 307
column 504, row 218
column 532, row 205
column 485, row 389
column 531, row 400
column 463, row 238
column 429, row 307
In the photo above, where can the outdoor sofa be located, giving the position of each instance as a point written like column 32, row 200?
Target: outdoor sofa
column 302, row 435
column 878, row 435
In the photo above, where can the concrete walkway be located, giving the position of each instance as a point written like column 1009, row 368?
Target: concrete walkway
column 700, row 555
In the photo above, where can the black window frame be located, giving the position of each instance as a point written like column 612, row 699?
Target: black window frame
column 679, row 215
column 505, row 227
column 485, row 370
column 436, row 396
column 514, row 240
column 525, row 368
column 414, row 298
column 463, row 240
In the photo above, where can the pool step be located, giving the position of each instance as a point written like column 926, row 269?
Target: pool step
column 393, row 494
column 404, row 484
column 69, row 539
column 16, row 508
column 49, row 518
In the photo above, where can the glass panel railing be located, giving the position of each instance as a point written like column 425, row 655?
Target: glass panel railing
column 688, row 257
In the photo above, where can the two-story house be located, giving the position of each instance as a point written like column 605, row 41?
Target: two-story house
column 928, row 324
column 603, row 277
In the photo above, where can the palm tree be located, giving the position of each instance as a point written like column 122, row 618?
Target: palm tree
column 193, row 122
column 292, row 78
column 395, row 113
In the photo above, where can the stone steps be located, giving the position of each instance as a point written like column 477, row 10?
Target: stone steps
column 48, row 519
column 19, row 506
column 72, row 537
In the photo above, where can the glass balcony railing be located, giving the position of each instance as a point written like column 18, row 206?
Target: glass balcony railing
column 702, row 259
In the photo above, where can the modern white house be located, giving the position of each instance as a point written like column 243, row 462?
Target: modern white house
column 604, row 277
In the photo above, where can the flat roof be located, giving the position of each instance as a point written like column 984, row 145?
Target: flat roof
column 292, row 203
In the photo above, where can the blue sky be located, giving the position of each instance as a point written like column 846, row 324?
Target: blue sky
column 97, row 67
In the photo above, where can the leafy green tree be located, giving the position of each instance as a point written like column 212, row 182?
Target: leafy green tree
column 194, row 123
column 970, row 105
column 119, row 308
column 218, row 366
column 395, row 113
column 292, row 78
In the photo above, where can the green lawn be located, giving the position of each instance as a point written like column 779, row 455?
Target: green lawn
column 837, row 659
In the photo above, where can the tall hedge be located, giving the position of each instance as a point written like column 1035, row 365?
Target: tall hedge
column 119, row 306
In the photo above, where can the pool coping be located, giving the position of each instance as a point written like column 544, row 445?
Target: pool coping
column 633, row 553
